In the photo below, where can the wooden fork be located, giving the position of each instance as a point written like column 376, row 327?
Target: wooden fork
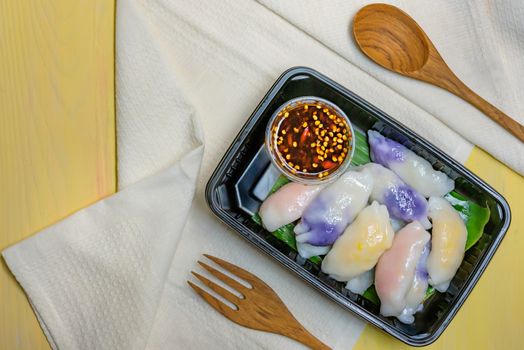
column 259, row 307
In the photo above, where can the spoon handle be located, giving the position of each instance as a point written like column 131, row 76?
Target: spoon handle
column 462, row 90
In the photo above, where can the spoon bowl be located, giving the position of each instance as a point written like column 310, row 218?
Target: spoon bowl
column 394, row 40
column 406, row 52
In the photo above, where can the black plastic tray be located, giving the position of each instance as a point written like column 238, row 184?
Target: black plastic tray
column 230, row 195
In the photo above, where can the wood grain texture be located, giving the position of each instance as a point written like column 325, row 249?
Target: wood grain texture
column 491, row 317
column 260, row 307
column 57, row 143
column 391, row 38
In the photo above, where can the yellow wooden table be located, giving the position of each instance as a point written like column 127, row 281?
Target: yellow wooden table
column 57, row 144
column 57, row 154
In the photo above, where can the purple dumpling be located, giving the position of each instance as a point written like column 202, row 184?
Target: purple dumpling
column 334, row 208
column 403, row 202
column 411, row 168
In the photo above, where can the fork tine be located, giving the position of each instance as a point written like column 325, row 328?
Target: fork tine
column 249, row 277
column 224, row 293
column 225, row 278
column 213, row 302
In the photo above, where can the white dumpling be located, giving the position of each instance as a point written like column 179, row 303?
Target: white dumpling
column 396, row 224
column 413, row 169
column 401, row 279
column 306, row 250
column 362, row 243
column 448, row 243
column 362, row 282
column 286, row 205
column 334, row 208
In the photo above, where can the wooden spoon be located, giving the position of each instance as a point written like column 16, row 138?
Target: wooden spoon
column 393, row 39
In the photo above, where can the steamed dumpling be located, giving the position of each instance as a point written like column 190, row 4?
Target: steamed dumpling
column 286, row 205
column 307, row 250
column 448, row 242
column 363, row 242
column 362, row 282
column 401, row 278
column 326, row 217
column 414, row 170
column 396, row 224
column 403, row 202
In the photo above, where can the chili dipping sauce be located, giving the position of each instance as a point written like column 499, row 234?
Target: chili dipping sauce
column 311, row 139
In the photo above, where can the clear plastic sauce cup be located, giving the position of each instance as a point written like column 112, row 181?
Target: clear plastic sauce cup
column 310, row 140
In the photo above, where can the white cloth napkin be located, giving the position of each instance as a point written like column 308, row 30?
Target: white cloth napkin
column 113, row 275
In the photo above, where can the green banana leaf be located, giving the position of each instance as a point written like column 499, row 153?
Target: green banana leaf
column 475, row 216
column 361, row 155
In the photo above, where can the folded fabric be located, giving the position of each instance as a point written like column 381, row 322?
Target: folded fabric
column 114, row 275
column 95, row 278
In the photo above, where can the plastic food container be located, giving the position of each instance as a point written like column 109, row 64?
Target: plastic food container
column 232, row 194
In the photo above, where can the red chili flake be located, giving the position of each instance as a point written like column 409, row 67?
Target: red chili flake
column 304, row 135
column 328, row 164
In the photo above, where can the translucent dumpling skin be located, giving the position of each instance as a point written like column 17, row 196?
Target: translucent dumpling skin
column 401, row 278
column 327, row 216
column 359, row 284
column 286, row 205
column 362, row 243
column 403, row 202
column 307, row 250
column 448, row 242
column 414, row 170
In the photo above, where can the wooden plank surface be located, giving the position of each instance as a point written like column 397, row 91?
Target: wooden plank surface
column 491, row 317
column 57, row 144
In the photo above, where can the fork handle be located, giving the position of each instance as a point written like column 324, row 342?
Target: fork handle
column 300, row 334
